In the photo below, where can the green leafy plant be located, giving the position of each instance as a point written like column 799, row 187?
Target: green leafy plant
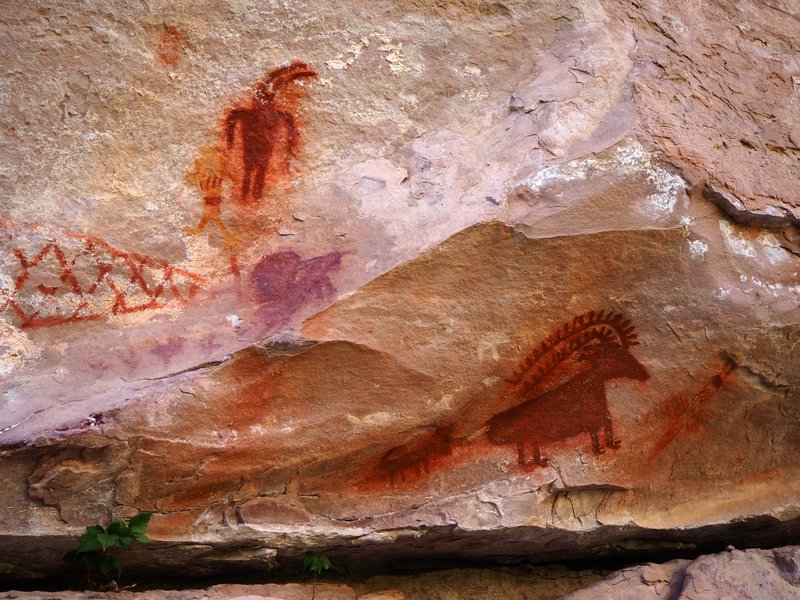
column 97, row 547
column 317, row 564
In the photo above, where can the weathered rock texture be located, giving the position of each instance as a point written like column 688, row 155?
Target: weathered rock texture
column 219, row 592
column 745, row 575
column 511, row 280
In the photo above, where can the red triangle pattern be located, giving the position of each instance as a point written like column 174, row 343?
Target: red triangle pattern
column 132, row 282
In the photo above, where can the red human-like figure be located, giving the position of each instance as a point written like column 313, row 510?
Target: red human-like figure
column 268, row 129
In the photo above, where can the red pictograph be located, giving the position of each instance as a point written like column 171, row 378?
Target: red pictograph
column 51, row 277
column 169, row 46
column 557, row 393
column 262, row 136
column 576, row 362
column 686, row 414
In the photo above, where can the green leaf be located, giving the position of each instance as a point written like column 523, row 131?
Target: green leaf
column 140, row 537
column 94, row 530
column 316, row 563
column 107, row 540
column 92, row 561
column 87, row 542
column 140, row 522
column 119, row 528
column 107, row 563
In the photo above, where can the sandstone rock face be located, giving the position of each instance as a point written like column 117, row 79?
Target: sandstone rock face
column 747, row 575
column 744, row 575
column 218, row 592
column 393, row 280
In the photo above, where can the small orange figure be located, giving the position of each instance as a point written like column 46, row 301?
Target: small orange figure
column 169, row 47
column 208, row 174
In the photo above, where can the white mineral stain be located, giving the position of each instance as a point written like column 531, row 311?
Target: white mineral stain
column 234, row 321
column 395, row 58
column 393, row 54
column 571, row 171
column 378, row 418
column 472, row 70
column 737, row 243
column 445, row 402
column 629, row 158
column 349, row 56
column 669, row 185
column 697, row 249
column 772, row 249
column 337, row 64
column 772, row 287
column 765, row 244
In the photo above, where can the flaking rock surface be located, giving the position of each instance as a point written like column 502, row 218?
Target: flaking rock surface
column 499, row 280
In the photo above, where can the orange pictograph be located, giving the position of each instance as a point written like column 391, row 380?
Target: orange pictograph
column 50, row 277
column 686, row 414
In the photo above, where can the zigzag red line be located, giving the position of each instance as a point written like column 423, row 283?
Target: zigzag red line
column 93, row 247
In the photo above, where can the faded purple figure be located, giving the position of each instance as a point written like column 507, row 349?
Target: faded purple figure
column 284, row 282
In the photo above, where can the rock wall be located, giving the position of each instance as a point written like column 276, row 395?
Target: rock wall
column 513, row 281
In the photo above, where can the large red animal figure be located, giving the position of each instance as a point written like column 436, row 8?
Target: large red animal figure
column 557, row 393
column 560, row 389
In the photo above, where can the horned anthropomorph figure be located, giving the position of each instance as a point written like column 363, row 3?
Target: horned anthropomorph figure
column 269, row 137
column 577, row 360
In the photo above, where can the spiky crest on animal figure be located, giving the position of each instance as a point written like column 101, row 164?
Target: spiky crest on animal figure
column 532, row 373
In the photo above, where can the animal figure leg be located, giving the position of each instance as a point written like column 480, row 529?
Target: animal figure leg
column 521, row 454
column 596, row 443
column 539, row 459
column 609, row 434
